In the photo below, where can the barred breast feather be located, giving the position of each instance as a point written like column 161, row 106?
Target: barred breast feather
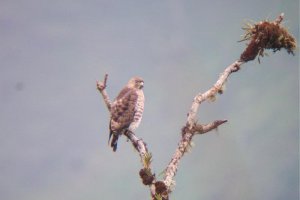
column 138, row 111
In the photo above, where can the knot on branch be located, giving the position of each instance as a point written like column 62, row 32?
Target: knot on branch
column 185, row 129
column 161, row 190
column 236, row 67
column 146, row 176
column 194, row 128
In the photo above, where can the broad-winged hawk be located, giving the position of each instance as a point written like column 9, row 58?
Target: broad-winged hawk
column 126, row 110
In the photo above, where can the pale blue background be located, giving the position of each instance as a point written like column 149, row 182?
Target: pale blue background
column 54, row 124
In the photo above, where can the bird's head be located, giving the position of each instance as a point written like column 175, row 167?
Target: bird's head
column 136, row 82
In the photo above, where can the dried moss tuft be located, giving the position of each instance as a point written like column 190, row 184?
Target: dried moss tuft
column 266, row 35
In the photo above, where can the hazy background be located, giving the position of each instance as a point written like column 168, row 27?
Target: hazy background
column 54, row 124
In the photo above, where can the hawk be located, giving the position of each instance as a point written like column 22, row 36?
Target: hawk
column 126, row 110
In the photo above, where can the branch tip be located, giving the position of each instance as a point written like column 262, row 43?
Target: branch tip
column 219, row 122
column 102, row 85
column 211, row 126
column 279, row 19
column 105, row 79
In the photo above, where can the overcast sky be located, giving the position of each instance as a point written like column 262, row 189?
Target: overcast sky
column 54, row 124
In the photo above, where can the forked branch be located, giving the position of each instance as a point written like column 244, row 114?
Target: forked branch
column 191, row 127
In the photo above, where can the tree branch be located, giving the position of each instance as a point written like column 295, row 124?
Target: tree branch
column 101, row 86
column 263, row 35
column 191, row 127
column 279, row 19
column 201, row 129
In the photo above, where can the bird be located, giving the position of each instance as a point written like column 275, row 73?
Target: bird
column 126, row 110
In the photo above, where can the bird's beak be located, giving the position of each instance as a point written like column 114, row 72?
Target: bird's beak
column 142, row 85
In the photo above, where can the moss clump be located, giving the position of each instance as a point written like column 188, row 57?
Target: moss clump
column 146, row 176
column 266, row 35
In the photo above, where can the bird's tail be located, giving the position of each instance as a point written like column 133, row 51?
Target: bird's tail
column 114, row 141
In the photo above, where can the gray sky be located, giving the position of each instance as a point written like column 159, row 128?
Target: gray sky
column 54, row 124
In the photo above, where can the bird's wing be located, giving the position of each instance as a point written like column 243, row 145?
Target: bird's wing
column 123, row 109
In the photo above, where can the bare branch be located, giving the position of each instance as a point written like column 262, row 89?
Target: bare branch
column 189, row 130
column 183, row 146
column 101, row 86
column 211, row 92
column 172, row 167
column 250, row 53
column 137, row 143
column 209, row 127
